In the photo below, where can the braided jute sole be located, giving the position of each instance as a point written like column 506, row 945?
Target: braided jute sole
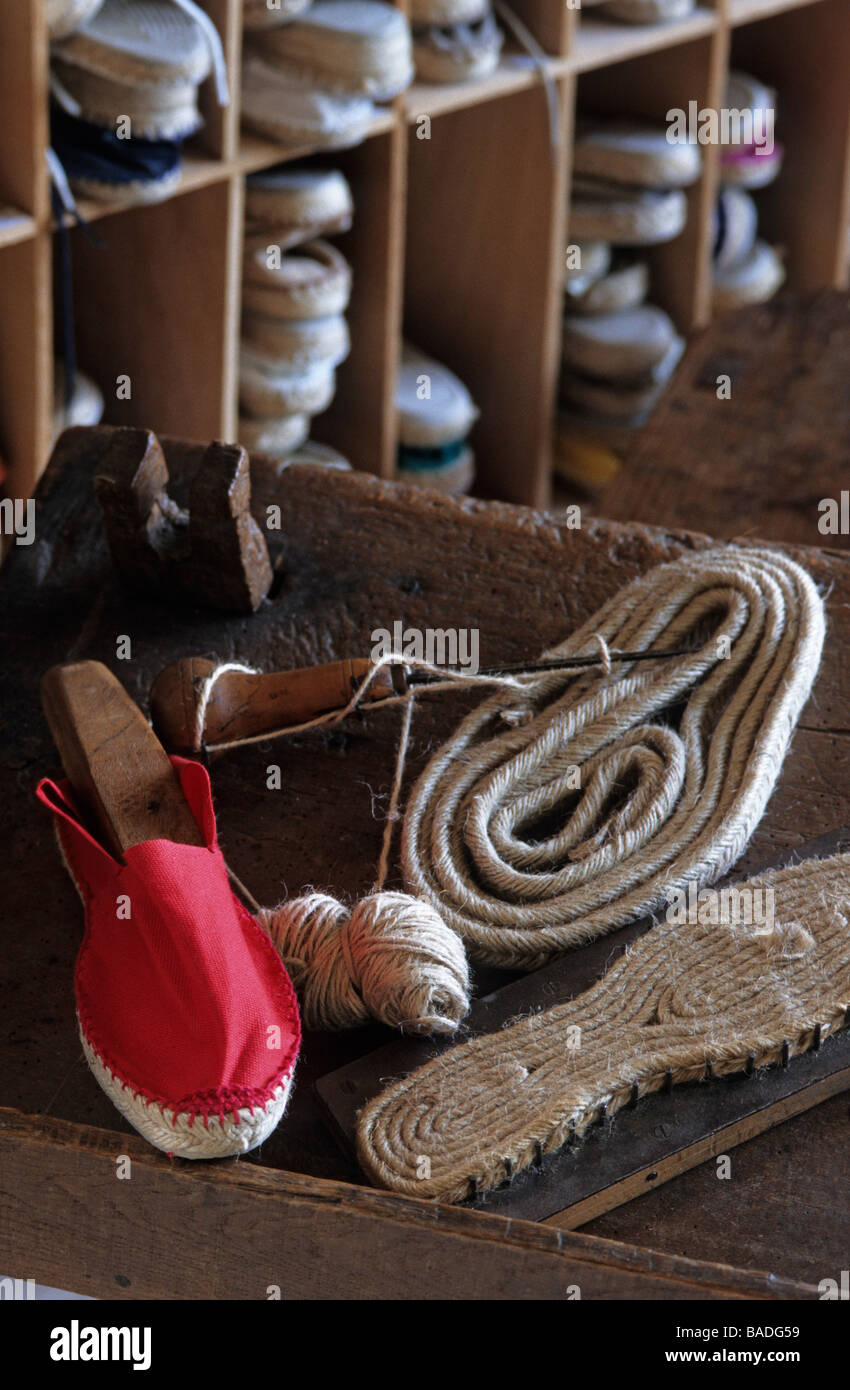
column 184, row 1134
column 686, row 1002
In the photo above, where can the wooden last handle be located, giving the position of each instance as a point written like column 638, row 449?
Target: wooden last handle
column 243, row 704
column 115, row 763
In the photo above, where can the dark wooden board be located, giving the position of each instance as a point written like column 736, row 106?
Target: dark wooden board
column 661, row 1138
column 230, row 1230
column 758, row 463
column 355, row 554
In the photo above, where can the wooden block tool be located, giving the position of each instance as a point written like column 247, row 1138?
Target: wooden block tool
column 214, row 553
column 115, row 763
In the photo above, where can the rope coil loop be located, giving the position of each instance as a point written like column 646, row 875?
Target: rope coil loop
column 602, row 793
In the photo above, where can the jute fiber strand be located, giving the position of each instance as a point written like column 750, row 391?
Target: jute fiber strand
column 676, row 760
column 388, row 957
column 687, row 1001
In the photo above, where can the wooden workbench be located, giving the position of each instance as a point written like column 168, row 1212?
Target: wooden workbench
column 354, row 554
column 758, row 459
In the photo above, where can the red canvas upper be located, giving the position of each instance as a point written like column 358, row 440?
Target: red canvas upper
column 181, row 1000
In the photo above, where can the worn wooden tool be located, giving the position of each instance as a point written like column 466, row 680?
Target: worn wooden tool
column 113, row 760
column 242, row 704
column 190, row 712
column 662, row 1136
column 214, row 552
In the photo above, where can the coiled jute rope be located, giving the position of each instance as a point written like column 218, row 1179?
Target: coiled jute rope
column 578, row 803
column 567, row 803
column 685, row 1002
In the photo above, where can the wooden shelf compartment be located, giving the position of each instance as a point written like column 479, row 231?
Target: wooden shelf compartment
column 745, row 11
column 483, row 273
column 158, row 301
column 361, row 419
column 23, row 107
column 647, row 87
column 598, row 42
column 26, row 367
column 804, row 53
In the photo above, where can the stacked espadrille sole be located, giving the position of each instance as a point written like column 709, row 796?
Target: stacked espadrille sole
column 313, row 78
column 618, row 352
column 126, row 83
column 747, row 270
column 296, row 288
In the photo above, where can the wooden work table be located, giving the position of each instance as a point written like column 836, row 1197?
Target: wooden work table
column 354, row 554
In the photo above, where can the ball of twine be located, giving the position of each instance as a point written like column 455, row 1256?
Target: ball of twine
column 391, row 957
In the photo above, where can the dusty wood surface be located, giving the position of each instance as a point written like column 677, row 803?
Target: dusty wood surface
column 356, row 554
column 758, row 463
column 309, row 1237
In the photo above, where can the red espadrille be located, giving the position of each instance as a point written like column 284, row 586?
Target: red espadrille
column 187, row 1016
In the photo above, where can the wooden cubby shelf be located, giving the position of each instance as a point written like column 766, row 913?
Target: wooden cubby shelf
column 458, row 238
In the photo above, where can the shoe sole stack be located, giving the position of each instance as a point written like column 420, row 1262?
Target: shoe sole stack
column 125, row 85
column 618, row 352
column 314, row 77
column 454, row 40
column 746, row 270
column 296, row 288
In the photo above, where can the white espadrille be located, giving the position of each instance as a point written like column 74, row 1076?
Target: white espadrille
column 141, row 42
column 735, row 224
column 590, row 264
column 85, row 406
column 458, row 53
column 320, row 455
column 296, row 203
column 618, row 346
column 267, row 14
column 288, row 107
column 432, row 405
column 634, row 152
column 750, row 281
column 626, row 401
column 453, row 476
column 647, row 11
column 601, row 211
column 265, row 390
column 347, row 46
column 446, row 12
column 277, row 437
column 153, row 52
column 290, row 344
column 169, row 111
column 64, row 16
column 311, row 281
column 751, row 165
column 624, row 287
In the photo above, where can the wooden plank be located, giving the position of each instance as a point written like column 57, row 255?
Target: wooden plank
column 361, row 419
column 355, row 553
column 181, row 289
column 759, row 462
column 26, row 361
column 23, row 105
column 181, row 1230
column 599, row 43
column 483, row 278
column 663, row 1137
